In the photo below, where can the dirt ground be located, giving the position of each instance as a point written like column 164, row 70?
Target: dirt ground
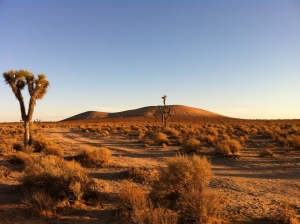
column 252, row 188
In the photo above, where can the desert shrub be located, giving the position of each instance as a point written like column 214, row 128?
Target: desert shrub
column 20, row 158
column 4, row 172
column 267, row 153
column 228, row 147
column 285, row 215
column 40, row 142
column 198, row 206
column 17, row 146
column 191, row 145
column 6, row 144
column 225, row 137
column 45, row 145
column 55, row 178
column 212, row 131
column 211, row 139
column 136, row 208
column 160, row 138
column 171, row 131
column 40, row 203
column 93, row 157
column 183, row 185
column 294, row 141
column 181, row 173
column 53, row 150
column 141, row 174
column 141, row 135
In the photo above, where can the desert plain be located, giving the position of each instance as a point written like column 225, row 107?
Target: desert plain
column 256, row 180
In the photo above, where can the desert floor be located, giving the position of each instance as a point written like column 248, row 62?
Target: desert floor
column 252, row 188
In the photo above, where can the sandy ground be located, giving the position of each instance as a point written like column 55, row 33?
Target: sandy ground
column 252, row 188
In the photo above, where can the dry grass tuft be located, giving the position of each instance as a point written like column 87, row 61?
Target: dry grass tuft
column 94, row 157
column 4, row 172
column 160, row 138
column 285, row 216
column 182, row 172
column 228, row 147
column 141, row 174
column 199, row 206
column 21, row 158
column 191, row 145
column 45, row 145
column 183, row 184
column 51, row 180
column 267, row 153
column 136, row 208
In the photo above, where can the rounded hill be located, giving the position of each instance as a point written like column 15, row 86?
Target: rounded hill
column 177, row 111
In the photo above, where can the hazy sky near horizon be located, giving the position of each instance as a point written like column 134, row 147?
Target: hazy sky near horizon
column 236, row 58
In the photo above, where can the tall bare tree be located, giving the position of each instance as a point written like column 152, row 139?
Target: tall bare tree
column 37, row 88
column 165, row 112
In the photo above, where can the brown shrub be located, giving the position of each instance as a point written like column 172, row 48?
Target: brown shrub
column 17, row 146
column 94, row 157
column 141, row 174
column 267, row 153
column 191, row 145
column 42, row 144
column 136, row 208
column 228, row 147
column 54, row 178
column 211, row 139
column 199, row 206
column 171, row 131
column 285, row 215
column 212, row 131
column 294, row 141
column 21, row 158
column 181, row 173
column 160, row 138
column 4, row 172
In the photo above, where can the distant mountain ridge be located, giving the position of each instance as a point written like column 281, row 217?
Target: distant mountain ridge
column 178, row 111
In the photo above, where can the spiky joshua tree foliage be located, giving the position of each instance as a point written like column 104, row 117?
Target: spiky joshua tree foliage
column 165, row 112
column 37, row 88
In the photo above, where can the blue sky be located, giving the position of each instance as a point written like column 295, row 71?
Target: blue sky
column 236, row 58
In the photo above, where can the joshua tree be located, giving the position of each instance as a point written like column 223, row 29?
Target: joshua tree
column 165, row 112
column 37, row 88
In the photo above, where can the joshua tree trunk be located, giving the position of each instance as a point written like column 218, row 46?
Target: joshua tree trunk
column 26, row 133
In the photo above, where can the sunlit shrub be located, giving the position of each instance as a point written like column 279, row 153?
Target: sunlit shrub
column 181, row 173
column 57, row 179
column 93, row 157
column 228, row 147
column 160, row 138
column 135, row 207
column 191, row 145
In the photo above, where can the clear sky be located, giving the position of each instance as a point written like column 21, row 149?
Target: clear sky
column 236, row 58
